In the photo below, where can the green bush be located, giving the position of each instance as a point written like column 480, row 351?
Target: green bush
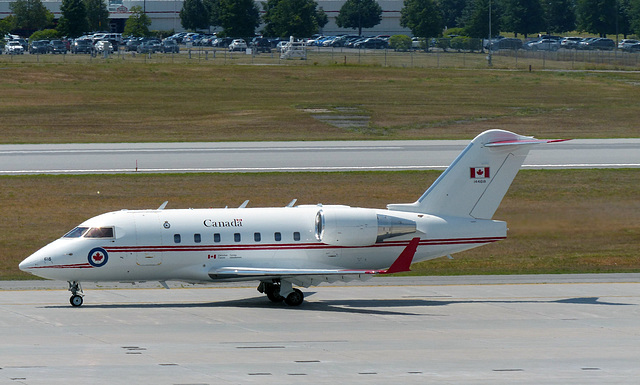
column 443, row 43
column 400, row 42
column 45, row 34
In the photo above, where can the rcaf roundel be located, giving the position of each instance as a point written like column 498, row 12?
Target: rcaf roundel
column 479, row 172
column 98, row 257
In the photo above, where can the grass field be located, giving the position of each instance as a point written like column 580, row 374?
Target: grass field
column 114, row 101
column 569, row 221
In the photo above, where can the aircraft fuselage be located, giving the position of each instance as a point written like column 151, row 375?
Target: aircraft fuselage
column 188, row 245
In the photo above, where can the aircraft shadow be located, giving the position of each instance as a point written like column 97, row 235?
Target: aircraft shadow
column 353, row 306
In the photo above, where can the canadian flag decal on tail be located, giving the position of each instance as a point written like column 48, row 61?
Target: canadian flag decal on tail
column 480, row 172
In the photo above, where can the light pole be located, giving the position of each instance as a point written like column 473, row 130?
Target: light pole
column 489, row 57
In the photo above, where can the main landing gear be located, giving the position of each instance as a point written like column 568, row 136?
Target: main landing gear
column 76, row 294
column 278, row 291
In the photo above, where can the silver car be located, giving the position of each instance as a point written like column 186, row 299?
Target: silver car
column 543, row 45
column 238, row 45
column 14, row 48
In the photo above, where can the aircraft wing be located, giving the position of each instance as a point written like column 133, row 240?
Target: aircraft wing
column 310, row 277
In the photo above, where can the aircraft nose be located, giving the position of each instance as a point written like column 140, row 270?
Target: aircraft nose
column 28, row 264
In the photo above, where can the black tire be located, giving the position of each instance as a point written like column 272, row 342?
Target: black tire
column 295, row 298
column 76, row 300
column 273, row 293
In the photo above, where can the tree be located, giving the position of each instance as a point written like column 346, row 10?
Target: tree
column 475, row 18
column 73, row 21
column 31, row 15
column 451, row 12
column 194, row 15
column 523, row 16
column 213, row 8
column 623, row 19
column 634, row 16
column 7, row 25
column 138, row 23
column 596, row 16
column 559, row 15
column 286, row 18
column 422, row 17
column 321, row 18
column 359, row 14
column 239, row 17
column 97, row 15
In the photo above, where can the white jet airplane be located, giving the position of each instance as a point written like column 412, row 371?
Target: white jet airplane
column 294, row 245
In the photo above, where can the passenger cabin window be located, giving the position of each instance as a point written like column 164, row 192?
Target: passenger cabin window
column 76, row 233
column 257, row 237
column 277, row 236
column 296, row 236
column 236, row 237
column 177, row 238
column 197, row 238
column 216, row 237
column 99, row 232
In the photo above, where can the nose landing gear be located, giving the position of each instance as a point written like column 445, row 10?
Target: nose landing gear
column 76, row 294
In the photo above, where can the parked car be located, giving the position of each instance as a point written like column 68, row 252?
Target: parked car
column 103, row 46
column 260, row 44
column 632, row 47
column 169, row 46
column 14, row 48
column 23, row 42
column 150, row 46
column 372, row 42
column 238, row 45
column 570, row 42
column 222, row 42
column 39, row 47
column 57, row 46
column 82, row 46
column 510, row 43
column 543, row 45
column 627, row 42
column 601, row 43
column 583, row 44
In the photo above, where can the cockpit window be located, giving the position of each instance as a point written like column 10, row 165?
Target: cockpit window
column 76, row 233
column 99, row 232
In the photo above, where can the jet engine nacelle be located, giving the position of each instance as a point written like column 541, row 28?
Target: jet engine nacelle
column 347, row 226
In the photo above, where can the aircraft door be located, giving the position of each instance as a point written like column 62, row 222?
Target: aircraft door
column 148, row 239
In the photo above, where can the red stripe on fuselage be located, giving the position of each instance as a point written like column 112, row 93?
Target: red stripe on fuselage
column 295, row 246
column 70, row 266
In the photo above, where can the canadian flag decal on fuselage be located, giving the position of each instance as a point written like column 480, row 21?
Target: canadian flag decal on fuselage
column 480, row 172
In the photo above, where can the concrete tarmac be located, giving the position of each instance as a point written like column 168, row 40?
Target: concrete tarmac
column 404, row 330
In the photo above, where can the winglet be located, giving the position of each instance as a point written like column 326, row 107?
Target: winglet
column 403, row 263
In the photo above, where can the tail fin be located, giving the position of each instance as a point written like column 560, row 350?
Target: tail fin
column 477, row 180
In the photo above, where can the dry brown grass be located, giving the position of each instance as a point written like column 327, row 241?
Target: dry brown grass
column 560, row 221
column 124, row 101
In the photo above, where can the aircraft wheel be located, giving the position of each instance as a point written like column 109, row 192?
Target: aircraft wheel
column 273, row 293
column 76, row 300
column 294, row 298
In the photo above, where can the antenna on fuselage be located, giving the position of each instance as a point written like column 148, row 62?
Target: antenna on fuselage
column 162, row 206
column 244, row 204
column 293, row 202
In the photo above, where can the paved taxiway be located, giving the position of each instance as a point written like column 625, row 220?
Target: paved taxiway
column 293, row 156
column 498, row 330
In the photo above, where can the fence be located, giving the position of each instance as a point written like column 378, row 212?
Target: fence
column 435, row 58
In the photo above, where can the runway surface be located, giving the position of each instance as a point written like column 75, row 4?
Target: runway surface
column 293, row 156
column 578, row 329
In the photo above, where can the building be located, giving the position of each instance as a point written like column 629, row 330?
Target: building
column 165, row 15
